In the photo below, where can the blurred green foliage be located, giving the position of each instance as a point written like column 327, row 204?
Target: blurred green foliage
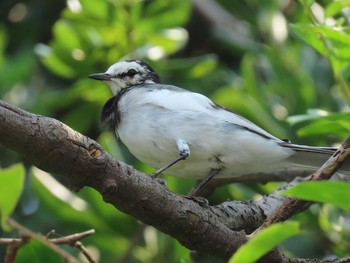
column 264, row 241
column 11, row 187
column 282, row 64
column 332, row 192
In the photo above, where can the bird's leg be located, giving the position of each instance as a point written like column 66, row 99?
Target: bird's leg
column 184, row 152
column 202, row 183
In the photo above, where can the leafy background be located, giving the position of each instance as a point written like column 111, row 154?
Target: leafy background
column 282, row 64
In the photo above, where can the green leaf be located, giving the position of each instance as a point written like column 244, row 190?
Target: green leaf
column 305, row 32
column 58, row 66
column 66, row 35
column 166, row 14
column 329, row 41
column 264, row 241
column 169, row 40
column 318, row 122
column 323, row 127
column 338, row 41
column 333, row 192
column 11, row 185
column 312, row 114
column 336, row 7
column 203, row 67
column 94, row 9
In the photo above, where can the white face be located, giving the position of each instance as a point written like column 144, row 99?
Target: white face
column 129, row 73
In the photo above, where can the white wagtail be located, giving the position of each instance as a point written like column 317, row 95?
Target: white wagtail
column 187, row 134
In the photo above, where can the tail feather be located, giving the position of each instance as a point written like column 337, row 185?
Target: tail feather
column 313, row 157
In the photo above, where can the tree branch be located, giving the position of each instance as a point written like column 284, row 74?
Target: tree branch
column 54, row 147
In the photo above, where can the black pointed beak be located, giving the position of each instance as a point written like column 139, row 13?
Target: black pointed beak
column 100, row 76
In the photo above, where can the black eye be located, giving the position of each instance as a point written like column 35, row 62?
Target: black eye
column 131, row 72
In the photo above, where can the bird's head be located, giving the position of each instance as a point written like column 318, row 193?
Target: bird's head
column 127, row 73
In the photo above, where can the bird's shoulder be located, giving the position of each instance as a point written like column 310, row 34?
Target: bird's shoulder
column 173, row 98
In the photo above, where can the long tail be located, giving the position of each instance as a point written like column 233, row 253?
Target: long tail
column 313, row 157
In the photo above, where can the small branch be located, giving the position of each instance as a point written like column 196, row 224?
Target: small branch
column 28, row 234
column 73, row 240
column 85, row 252
column 7, row 241
column 292, row 205
column 51, row 232
column 12, row 248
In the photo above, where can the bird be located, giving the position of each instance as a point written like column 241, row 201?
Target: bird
column 185, row 134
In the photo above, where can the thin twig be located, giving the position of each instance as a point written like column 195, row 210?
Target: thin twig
column 51, row 243
column 50, row 233
column 85, row 252
column 8, row 241
column 71, row 239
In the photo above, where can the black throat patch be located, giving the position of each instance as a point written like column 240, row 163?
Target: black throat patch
column 110, row 115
